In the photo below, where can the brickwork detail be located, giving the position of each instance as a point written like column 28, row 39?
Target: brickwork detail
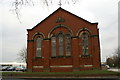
column 62, row 21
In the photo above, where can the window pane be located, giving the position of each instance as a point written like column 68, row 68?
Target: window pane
column 85, row 43
column 53, row 39
column 38, row 47
column 60, row 37
column 68, row 45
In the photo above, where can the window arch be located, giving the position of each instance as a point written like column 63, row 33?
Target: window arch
column 38, row 38
column 83, row 29
column 61, row 46
column 60, row 26
column 39, row 47
column 85, row 48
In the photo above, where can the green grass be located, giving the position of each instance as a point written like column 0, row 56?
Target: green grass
column 79, row 72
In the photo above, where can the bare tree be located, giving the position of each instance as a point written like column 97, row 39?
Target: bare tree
column 116, row 57
column 114, row 60
column 110, row 61
column 18, row 4
column 22, row 55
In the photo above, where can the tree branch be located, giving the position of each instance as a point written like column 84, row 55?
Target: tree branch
column 17, row 4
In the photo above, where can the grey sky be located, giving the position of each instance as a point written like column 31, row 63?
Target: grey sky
column 13, row 35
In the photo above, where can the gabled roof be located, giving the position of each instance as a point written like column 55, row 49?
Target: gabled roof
column 65, row 11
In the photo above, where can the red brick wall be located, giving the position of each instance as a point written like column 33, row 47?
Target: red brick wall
column 75, row 60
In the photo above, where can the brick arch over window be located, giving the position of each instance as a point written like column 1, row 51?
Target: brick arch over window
column 60, row 40
column 58, row 28
column 38, row 43
column 84, row 41
column 82, row 30
column 38, row 34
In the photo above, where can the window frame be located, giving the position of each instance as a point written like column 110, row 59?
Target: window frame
column 60, row 44
column 68, row 44
column 53, row 51
column 39, row 47
column 85, row 46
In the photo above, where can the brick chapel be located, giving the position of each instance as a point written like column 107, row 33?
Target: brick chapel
column 63, row 42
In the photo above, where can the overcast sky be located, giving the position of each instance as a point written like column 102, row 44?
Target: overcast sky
column 13, row 35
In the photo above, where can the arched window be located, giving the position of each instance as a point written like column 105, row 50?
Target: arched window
column 85, row 43
column 68, row 44
column 60, row 43
column 38, row 46
column 53, row 44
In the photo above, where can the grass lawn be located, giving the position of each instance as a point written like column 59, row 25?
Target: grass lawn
column 79, row 72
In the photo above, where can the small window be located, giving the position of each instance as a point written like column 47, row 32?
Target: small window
column 68, row 45
column 38, row 47
column 53, row 44
column 85, row 44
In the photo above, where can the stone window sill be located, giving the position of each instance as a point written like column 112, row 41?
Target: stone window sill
column 38, row 57
column 85, row 56
column 61, row 57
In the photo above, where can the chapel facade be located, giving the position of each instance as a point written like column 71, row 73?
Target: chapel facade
column 63, row 42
